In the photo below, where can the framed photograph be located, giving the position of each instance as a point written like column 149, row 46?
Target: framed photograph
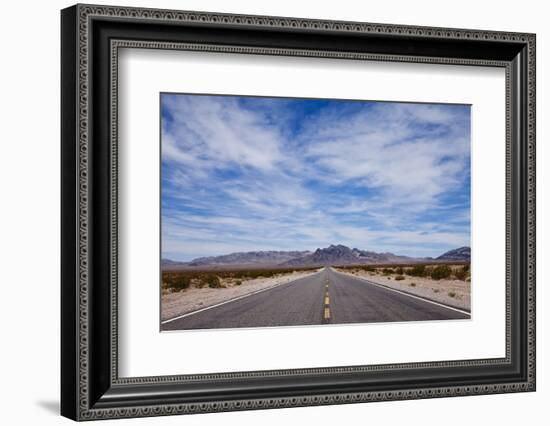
column 264, row 212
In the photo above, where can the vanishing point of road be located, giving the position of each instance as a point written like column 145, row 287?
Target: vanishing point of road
column 326, row 297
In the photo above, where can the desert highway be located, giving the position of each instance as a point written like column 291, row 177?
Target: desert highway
column 326, row 297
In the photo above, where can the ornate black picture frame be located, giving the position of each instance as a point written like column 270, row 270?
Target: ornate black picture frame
column 91, row 36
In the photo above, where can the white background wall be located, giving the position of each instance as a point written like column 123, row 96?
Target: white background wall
column 29, row 211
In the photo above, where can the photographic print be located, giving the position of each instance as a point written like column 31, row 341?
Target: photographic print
column 312, row 212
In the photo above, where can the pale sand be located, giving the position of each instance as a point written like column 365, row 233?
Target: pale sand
column 174, row 304
column 437, row 290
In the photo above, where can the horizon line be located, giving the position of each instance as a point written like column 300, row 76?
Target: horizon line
column 162, row 258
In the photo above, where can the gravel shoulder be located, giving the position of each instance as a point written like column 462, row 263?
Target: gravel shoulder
column 174, row 304
column 454, row 293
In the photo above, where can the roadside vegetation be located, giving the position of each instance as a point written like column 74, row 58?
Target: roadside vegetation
column 176, row 281
column 399, row 272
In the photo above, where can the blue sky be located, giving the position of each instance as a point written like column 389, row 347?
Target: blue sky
column 255, row 173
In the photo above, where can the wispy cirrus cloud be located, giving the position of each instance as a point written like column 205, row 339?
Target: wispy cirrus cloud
column 264, row 173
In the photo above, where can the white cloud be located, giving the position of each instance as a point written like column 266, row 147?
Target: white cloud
column 217, row 132
column 384, row 149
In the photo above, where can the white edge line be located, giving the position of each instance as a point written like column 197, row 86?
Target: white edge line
column 232, row 300
column 410, row 295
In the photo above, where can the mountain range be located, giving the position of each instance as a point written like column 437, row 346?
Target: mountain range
column 461, row 254
column 250, row 258
column 332, row 255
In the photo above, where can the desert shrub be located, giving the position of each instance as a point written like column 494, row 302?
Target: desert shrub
column 369, row 269
column 441, row 272
column 176, row 282
column 435, row 290
column 412, row 284
column 399, row 270
column 181, row 282
column 260, row 273
column 451, row 294
column 387, row 270
column 399, row 278
column 462, row 273
column 211, row 281
column 417, row 271
column 238, row 282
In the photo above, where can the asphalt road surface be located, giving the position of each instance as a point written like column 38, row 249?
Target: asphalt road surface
column 326, row 297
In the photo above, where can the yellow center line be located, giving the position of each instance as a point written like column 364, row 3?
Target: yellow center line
column 326, row 312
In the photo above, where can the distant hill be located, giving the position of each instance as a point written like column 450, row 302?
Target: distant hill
column 461, row 254
column 331, row 255
column 168, row 262
column 343, row 255
column 250, row 258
